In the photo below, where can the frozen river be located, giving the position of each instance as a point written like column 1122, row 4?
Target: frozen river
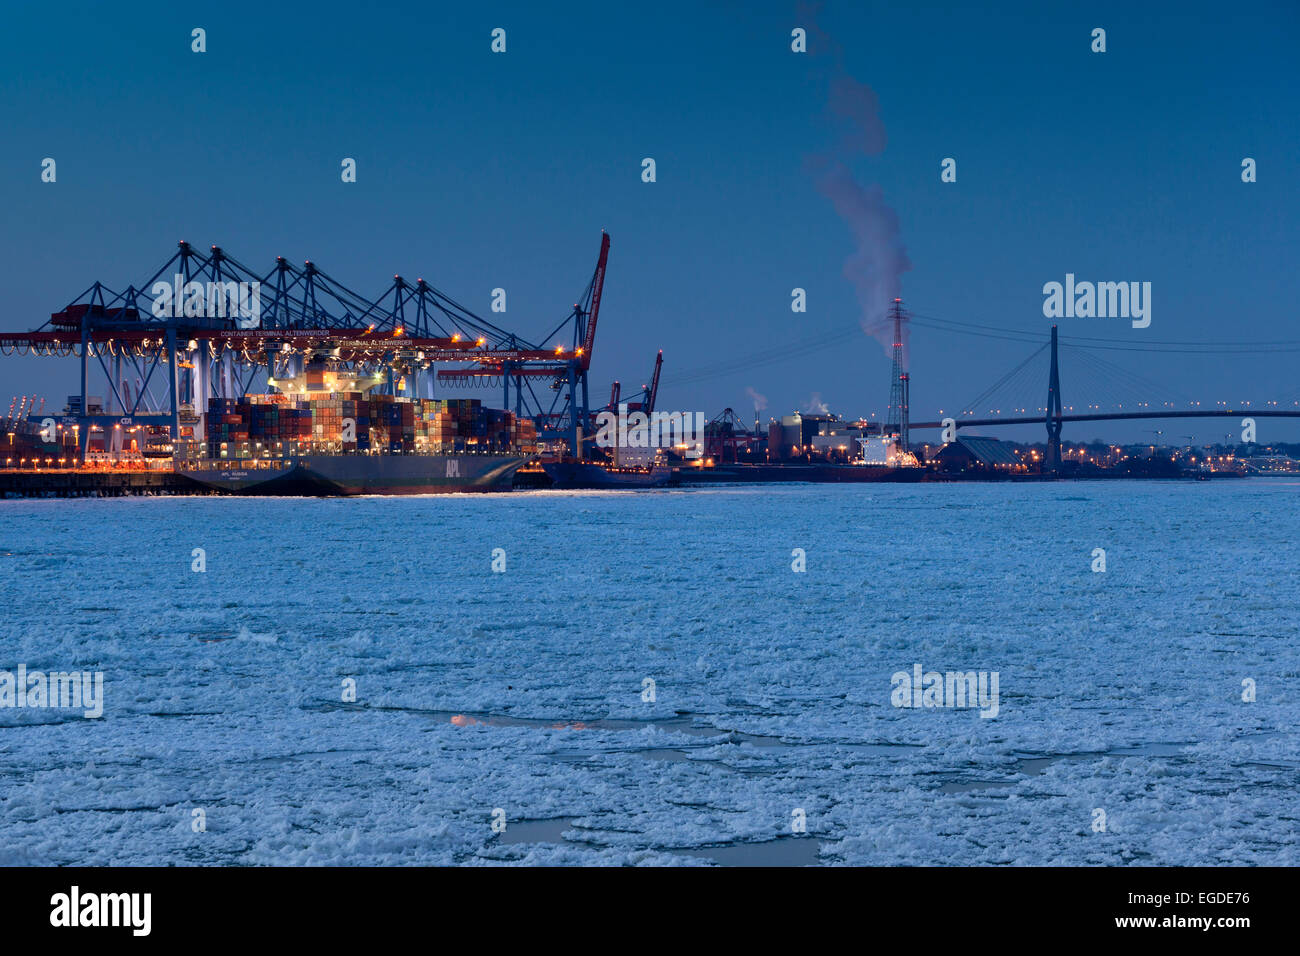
column 649, row 680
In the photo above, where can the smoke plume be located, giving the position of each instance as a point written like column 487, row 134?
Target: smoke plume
column 760, row 401
column 815, row 405
column 877, row 264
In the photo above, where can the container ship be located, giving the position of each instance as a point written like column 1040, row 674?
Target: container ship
column 355, row 443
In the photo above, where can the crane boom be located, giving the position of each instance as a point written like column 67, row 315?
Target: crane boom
column 654, row 383
column 597, row 286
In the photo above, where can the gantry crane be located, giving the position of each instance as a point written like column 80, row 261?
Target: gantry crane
column 303, row 317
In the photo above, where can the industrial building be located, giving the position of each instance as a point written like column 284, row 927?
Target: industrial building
column 801, row 437
column 975, row 453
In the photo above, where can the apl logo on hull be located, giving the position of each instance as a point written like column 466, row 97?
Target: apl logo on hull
column 453, row 467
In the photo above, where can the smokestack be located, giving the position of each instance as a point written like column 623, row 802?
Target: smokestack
column 906, row 421
column 897, row 377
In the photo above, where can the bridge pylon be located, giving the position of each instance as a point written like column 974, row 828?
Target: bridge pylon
column 1052, row 461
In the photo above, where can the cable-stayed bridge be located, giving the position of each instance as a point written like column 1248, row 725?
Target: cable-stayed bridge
column 1031, row 391
column 1113, row 392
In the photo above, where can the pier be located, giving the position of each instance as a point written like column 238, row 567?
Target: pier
column 82, row 483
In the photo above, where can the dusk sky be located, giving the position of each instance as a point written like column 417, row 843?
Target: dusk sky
column 477, row 170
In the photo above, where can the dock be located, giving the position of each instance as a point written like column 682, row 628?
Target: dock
column 81, row 483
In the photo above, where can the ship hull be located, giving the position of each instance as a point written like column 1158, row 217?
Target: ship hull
column 570, row 474
column 820, row 474
column 350, row 475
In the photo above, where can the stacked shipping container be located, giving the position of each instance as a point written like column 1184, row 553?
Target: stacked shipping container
column 351, row 422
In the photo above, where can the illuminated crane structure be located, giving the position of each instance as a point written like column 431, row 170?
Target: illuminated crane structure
column 206, row 326
column 566, row 416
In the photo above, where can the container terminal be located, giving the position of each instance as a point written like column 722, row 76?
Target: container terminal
column 213, row 376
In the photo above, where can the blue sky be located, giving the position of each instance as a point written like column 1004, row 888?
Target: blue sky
column 478, row 170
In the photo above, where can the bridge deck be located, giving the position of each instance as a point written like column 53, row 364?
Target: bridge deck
column 1118, row 416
